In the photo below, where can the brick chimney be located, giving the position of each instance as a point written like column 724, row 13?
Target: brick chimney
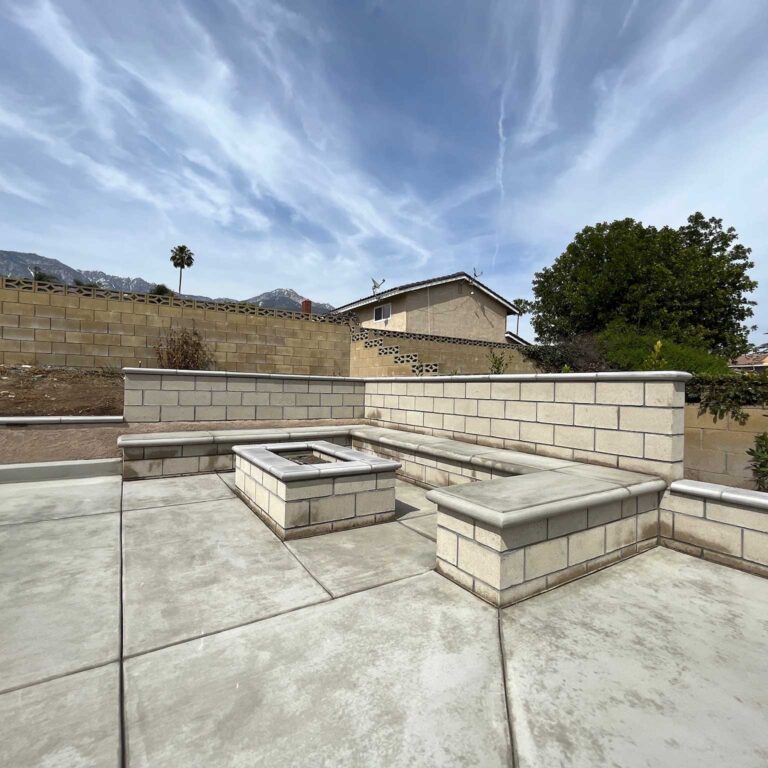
column 306, row 307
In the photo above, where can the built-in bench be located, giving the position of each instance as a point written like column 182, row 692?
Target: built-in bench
column 510, row 524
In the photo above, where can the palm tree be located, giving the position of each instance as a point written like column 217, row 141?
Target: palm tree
column 182, row 259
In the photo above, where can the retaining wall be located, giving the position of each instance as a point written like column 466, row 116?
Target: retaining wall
column 164, row 395
column 716, row 451
column 632, row 421
column 53, row 324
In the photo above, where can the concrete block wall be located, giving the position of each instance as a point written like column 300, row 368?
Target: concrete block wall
column 450, row 354
column 716, row 451
column 718, row 523
column 61, row 325
column 632, row 421
column 509, row 565
column 164, row 395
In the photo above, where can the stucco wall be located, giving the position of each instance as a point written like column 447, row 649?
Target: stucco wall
column 716, row 451
column 451, row 309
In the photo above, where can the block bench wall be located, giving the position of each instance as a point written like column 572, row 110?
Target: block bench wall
column 718, row 523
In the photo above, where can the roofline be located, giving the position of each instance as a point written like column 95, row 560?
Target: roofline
column 392, row 292
column 518, row 339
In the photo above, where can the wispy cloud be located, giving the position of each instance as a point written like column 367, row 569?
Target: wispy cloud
column 540, row 119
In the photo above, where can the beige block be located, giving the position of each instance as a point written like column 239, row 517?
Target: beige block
column 620, row 534
column 648, row 525
column 479, row 390
column 457, row 523
column 663, row 421
column 514, row 537
column 662, row 394
column 142, row 413
column 664, row 447
column 306, row 489
column 531, row 432
column 176, row 413
column 375, row 502
column 329, row 508
column 708, row 534
column 181, row 466
column 554, row 413
column 603, row 416
column 354, row 484
column 477, row 426
column 499, row 570
column 756, row 547
column 538, row 391
column 454, row 423
column 733, row 515
column 508, row 430
column 586, row 545
column 620, row 392
column 666, row 523
column 619, row 443
column 505, row 390
column 520, row 411
column 561, row 525
column 605, row 513
column 492, row 409
column 575, row 392
column 545, row 558
column 686, row 505
column 447, row 545
column 582, row 438
column 161, row 397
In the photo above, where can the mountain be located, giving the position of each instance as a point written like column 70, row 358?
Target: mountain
column 16, row 264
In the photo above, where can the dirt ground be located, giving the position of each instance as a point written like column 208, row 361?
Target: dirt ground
column 32, row 391
column 99, row 441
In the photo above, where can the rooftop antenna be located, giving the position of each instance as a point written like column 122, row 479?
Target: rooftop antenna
column 475, row 273
column 377, row 284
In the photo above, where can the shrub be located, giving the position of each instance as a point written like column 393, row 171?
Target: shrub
column 628, row 350
column 183, row 349
column 583, row 354
column 497, row 362
column 161, row 289
column 759, row 463
column 727, row 395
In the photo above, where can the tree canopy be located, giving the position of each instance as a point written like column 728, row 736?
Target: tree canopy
column 688, row 284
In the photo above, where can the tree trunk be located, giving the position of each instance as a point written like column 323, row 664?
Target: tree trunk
column 181, row 272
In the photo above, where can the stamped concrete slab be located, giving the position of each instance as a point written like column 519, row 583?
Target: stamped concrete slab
column 411, row 501
column 53, row 499
column 70, row 721
column 193, row 569
column 163, row 492
column 59, row 597
column 426, row 525
column 405, row 675
column 657, row 661
column 360, row 558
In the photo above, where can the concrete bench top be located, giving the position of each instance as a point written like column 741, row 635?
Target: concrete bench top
column 351, row 462
column 511, row 501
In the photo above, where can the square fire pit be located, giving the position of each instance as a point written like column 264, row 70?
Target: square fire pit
column 303, row 489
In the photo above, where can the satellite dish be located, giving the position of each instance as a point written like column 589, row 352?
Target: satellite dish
column 475, row 273
column 377, row 284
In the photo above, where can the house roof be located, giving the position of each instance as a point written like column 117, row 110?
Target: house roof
column 513, row 338
column 408, row 287
column 751, row 360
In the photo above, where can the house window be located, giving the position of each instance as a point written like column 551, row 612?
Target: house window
column 382, row 312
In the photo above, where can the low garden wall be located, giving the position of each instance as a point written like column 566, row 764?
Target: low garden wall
column 632, row 421
column 165, row 395
column 716, row 451
column 722, row 524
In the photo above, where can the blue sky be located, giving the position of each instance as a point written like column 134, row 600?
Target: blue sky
column 316, row 144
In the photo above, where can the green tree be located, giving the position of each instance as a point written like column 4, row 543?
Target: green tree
column 161, row 289
column 43, row 277
column 689, row 284
column 182, row 258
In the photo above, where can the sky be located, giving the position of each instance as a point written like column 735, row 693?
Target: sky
column 316, row 145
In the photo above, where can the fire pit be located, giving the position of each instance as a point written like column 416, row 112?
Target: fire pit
column 303, row 489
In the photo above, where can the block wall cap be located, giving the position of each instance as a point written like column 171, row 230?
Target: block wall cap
column 238, row 375
column 642, row 376
column 14, row 421
column 721, row 493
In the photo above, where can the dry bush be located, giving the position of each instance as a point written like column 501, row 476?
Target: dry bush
column 183, row 349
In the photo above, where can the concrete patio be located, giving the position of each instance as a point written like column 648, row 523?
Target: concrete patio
column 160, row 623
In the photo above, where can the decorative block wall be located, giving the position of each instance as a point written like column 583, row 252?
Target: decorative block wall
column 82, row 327
column 164, row 395
column 632, row 421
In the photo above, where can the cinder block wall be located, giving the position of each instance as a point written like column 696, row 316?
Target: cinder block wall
column 716, row 451
column 633, row 421
column 452, row 355
column 52, row 324
column 162, row 395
